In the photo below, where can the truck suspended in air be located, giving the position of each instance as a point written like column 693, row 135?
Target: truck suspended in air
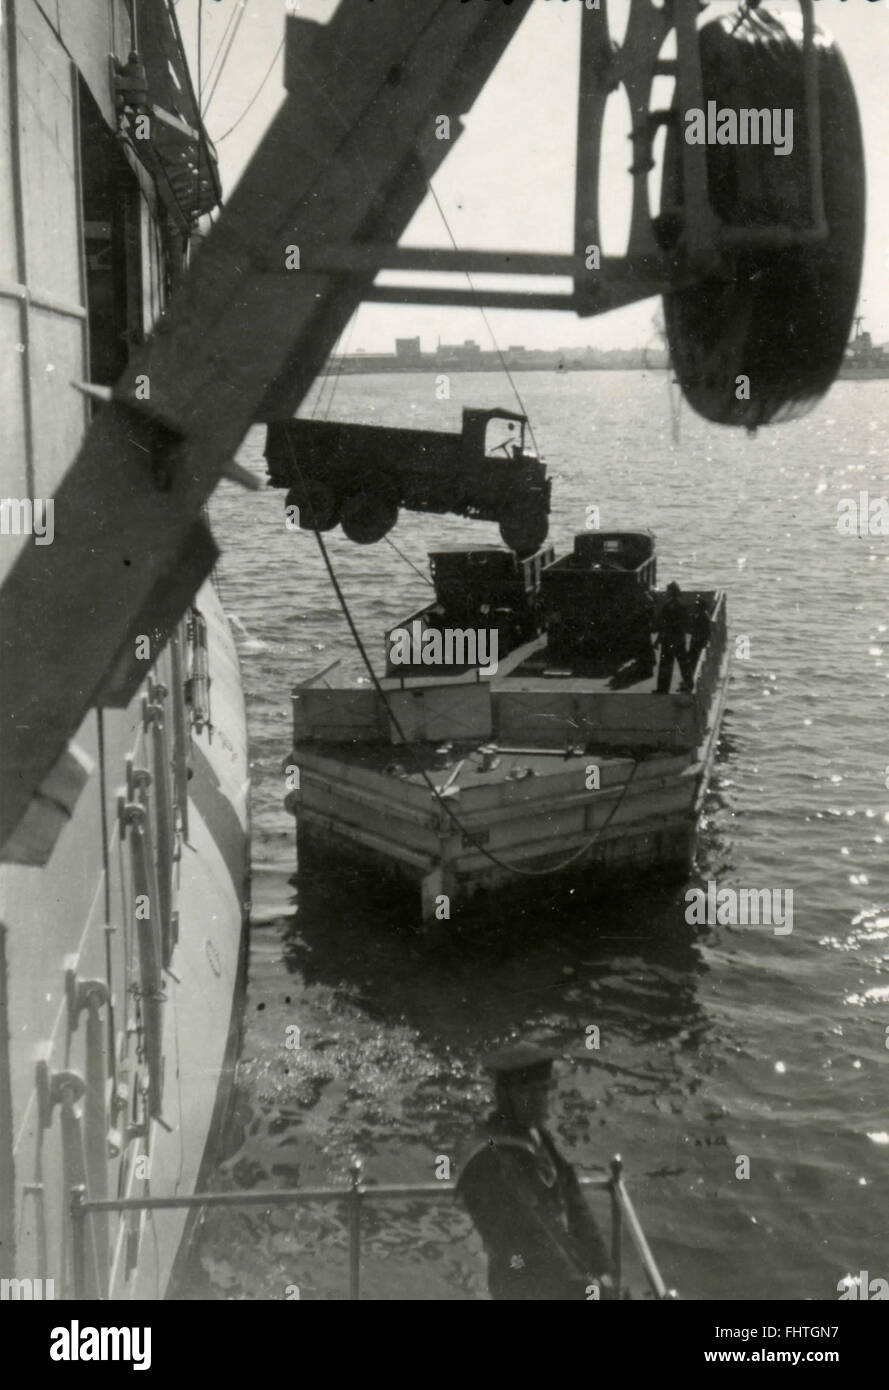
column 360, row 476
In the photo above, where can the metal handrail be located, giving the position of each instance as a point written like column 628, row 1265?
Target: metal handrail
column 622, row 1214
column 148, row 935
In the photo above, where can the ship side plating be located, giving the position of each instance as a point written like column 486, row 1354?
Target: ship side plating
column 123, row 898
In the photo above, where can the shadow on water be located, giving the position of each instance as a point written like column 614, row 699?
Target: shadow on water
column 393, row 1067
column 511, row 961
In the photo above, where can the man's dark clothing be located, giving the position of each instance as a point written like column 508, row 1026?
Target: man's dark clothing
column 671, row 627
column 524, row 1198
column 699, row 635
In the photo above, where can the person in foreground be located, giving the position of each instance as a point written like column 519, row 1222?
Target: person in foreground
column 540, row 1237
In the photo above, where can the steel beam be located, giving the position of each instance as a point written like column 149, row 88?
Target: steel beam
column 596, row 81
column 338, row 163
column 470, row 299
column 372, row 257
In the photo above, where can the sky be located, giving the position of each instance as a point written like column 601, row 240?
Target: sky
column 508, row 182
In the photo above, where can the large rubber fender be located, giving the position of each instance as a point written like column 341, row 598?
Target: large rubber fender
column 784, row 317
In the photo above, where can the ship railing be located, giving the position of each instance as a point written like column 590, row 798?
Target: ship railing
column 624, row 1221
column 709, row 665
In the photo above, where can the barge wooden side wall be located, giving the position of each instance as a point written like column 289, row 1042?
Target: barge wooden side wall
column 360, row 794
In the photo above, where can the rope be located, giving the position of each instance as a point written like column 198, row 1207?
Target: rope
column 197, row 168
column 202, row 134
column 442, row 801
column 409, row 561
column 481, row 308
column 334, row 377
column 231, row 19
column 255, row 96
column 226, row 55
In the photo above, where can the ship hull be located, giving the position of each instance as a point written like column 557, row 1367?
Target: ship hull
column 73, row 922
column 123, row 891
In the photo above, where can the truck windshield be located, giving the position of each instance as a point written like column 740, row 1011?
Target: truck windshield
column 503, row 436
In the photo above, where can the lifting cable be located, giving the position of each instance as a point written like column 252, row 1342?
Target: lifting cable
column 197, row 162
column 345, row 338
column 219, row 47
column 226, row 55
column 327, row 409
column 256, row 95
column 408, row 561
column 481, row 308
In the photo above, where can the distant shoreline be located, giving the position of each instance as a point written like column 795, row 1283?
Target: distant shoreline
column 374, row 367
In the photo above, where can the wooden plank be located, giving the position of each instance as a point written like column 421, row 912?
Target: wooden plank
column 543, row 718
column 464, row 712
column 330, row 828
column 350, row 709
column 349, row 771
column 409, row 709
column 559, row 719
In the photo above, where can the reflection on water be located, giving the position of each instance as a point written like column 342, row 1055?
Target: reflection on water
column 714, row 1042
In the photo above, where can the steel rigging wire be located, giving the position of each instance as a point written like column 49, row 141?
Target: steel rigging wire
column 231, row 19
column 256, row 94
column 481, row 308
column 197, row 163
column 226, row 55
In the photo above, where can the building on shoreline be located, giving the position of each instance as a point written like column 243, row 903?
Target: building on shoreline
column 468, row 356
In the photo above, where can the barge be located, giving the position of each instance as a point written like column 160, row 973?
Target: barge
column 560, row 756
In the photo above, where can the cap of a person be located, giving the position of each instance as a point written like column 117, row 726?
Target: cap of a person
column 521, row 1062
column 673, row 587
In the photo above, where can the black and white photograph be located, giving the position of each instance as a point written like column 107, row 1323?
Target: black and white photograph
column 444, row 663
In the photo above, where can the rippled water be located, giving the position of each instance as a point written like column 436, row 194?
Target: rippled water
column 715, row 1042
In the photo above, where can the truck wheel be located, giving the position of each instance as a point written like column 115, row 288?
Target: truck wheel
column 317, row 506
column 368, row 516
column 524, row 527
column 781, row 318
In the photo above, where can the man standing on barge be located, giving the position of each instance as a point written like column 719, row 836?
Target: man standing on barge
column 671, row 627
